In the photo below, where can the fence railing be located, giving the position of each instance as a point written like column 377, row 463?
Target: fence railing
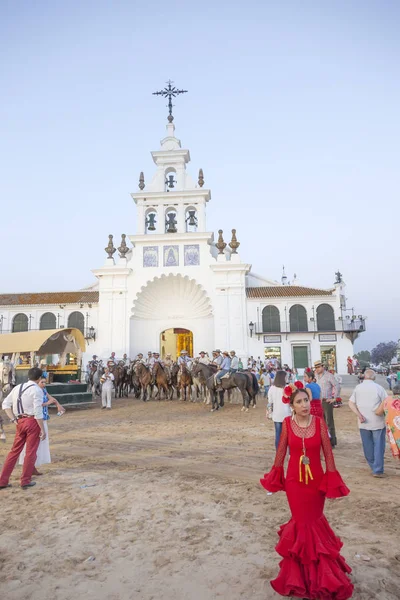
column 312, row 326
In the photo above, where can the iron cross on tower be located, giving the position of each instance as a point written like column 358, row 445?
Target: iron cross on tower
column 170, row 92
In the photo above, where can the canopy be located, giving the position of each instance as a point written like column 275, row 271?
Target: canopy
column 46, row 341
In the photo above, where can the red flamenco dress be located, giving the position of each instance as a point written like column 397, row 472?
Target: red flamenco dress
column 311, row 565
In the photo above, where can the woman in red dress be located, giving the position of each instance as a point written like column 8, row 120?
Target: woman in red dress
column 311, row 565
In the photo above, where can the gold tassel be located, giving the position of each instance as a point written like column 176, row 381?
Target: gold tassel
column 307, row 471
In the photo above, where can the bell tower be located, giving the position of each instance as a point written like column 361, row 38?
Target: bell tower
column 172, row 203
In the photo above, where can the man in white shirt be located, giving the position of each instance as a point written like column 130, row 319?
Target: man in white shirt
column 106, row 390
column 366, row 398
column 23, row 406
column 204, row 360
column 234, row 362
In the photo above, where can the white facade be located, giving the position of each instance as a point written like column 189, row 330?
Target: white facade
column 178, row 280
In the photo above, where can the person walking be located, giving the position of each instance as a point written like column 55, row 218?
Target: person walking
column 107, row 380
column 312, row 566
column 327, row 383
column 364, row 401
column 277, row 410
column 23, row 406
column 314, row 393
column 390, row 408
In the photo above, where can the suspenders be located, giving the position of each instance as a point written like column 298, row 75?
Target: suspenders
column 20, row 408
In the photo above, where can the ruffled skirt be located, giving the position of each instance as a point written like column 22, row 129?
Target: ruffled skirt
column 316, row 409
column 312, row 566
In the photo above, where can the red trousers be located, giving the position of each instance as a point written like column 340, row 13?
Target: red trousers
column 28, row 432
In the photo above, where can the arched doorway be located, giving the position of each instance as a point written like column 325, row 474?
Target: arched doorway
column 173, row 340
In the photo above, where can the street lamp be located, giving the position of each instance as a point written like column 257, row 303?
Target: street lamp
column 251, row 327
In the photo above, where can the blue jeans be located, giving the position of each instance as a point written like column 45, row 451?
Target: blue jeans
column 266, row 390
column 278, row 431
column 374, row 448
column 221, row 373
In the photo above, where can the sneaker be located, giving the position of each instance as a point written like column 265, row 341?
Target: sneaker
column 379, row 475
column 103, row 407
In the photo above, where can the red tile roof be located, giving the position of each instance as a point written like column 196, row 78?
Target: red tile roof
column 82, row 297
column 285, row 291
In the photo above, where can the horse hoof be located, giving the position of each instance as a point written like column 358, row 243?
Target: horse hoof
column 254, row 405
column 246, row 410
column 242, row 409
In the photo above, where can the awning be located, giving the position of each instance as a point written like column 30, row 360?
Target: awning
column 46, row 341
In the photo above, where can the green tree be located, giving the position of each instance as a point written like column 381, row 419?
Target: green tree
column 383, row 353
column 364, row 358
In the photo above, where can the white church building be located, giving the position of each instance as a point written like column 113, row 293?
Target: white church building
column 176, row 286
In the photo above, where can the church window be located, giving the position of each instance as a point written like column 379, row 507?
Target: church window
column 77, row 320
column 47, row 321
column 20, row 323
column 325, row 318
column 298, row 318
column 271, row 319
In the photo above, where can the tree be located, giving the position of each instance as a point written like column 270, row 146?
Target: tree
column 364, row 358
column 383, row 353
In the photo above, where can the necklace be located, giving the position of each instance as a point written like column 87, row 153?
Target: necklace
column 304, row 460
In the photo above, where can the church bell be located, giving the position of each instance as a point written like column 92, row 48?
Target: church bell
column 171, row 223
column 192, row 220
column 151, row 222
column 170, row 181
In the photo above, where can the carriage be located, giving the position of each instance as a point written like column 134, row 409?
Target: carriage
column 56, row 351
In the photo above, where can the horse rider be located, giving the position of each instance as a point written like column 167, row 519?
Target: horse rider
column 183, row 359
column 168, row 364
column 217, row 358
column 234, row 363
column 204, row 359
column 125, row 360
column 140, row 359
column 150, row 360
column 224, row 369
column 94, row 363
column 157, row 359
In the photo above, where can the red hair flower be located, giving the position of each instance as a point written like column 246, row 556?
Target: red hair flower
column 299, row 385
column 288, row 391
column 285, row 400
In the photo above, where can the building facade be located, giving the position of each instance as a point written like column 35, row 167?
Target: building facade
column 177, row 287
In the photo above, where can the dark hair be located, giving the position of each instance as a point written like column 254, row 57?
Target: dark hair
column 35, row 373
column 280, row 379
column 310, row 374
column 296, row 393
column 396, row 389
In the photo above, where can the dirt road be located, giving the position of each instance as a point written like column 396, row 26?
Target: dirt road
column 162, row 501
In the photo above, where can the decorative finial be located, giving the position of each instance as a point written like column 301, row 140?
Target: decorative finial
column 141, row 181
column 234, row 244
column 170, row 92
column 123, row 249
column 339, row 277
column 201, row 178
column 110, row 248
column 284, row 278
column 221, row 245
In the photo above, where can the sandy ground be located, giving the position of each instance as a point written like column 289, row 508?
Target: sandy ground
column 162, row 501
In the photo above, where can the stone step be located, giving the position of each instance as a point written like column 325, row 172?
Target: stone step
column 66, row 388
column 74, row 398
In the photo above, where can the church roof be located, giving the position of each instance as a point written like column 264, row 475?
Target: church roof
column 80, row 297
column 285, row 291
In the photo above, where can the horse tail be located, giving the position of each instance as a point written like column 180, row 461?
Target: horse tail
column 256, row 387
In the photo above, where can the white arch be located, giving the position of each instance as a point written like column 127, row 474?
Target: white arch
column 172, row 296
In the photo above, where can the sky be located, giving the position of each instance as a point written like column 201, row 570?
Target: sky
column 291, row 111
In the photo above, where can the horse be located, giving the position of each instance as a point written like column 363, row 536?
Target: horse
column 174, row 379
column 133, row 380
column 199, row 383
column 239, row 380
column 253, row 387
column 161, row 379
column 7, row 378
column 145, row 379
column 96, row 384
column 120, row 377
column 185, row 381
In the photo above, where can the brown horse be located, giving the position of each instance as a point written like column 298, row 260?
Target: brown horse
column 120, row 377
column 185, row 381
column 161, row 379
column 145, row 379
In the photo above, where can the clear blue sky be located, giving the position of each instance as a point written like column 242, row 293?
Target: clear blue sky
column 292, row 112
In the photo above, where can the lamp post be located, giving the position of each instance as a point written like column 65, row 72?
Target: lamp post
column 251, row 327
